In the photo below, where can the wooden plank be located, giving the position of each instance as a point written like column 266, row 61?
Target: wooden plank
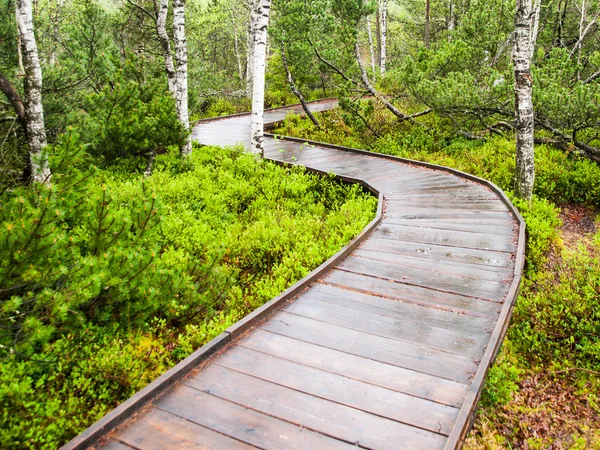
column 158, row 430
column 430, row 279
column 313, row 413
column 470, row 195
column 439, row 252
column 451, row 238
column 475, row 271
column 414, row 332
column 472, row 226
column 242, row 424
column 358, row 368
column 415, row 212
column 111, row 444
column 456, row 204
column 373, row 304
column 413, row 294
column 411, row 356
column 400, row 407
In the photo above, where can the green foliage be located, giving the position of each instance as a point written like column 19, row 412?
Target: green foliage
column 542, row 221
column 107, row 279
column 557, row 321
column 501, row 381
column 127, row 118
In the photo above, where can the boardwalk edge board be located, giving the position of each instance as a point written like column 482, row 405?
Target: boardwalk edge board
column 466, row 416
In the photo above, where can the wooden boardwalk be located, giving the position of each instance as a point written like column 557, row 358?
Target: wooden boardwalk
column 385, row 346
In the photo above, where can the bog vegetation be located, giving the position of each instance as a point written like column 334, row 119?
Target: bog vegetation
column 123, row 247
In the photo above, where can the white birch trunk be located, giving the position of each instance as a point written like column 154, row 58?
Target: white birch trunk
column 451, row 20
column 261, row 24
column 162, row 9
column 371, row 49
column 236, row 45
column 250, row 48
column 383, row 27
column 427, row 36
column 181, row 92
column 524, row 42
column 34, row 110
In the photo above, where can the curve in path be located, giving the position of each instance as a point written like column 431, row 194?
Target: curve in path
column 384, row 346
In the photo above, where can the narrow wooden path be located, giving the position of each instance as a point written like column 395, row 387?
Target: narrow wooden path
column 385, row 346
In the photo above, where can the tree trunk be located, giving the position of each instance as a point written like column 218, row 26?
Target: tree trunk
column 371, row 49
column 383, row 54
column 15, row 100
column 451, row 20
column 34, row 110
column 162, row 10
column 250, row 48
column 365, row 79
column 427, row 36
column 181, row 95
column 236, row 45
column 261, row 23
column 525, row 27
column 378, row 31
column 295, row 89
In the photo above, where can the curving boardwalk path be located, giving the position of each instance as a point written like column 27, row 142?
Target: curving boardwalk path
column 385, row 346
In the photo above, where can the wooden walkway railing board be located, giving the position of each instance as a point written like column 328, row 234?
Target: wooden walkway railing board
column 384, row 346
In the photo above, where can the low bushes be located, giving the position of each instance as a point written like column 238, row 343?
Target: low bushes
column 108, row 279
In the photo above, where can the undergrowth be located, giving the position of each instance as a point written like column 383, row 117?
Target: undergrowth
column 108, row 279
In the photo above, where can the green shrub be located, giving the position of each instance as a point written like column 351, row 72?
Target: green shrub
column 127, row 118
column 557, row 319
column 108, row 279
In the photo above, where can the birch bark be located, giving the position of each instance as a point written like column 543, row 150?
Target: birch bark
column 526, row 17
column 162, row 9
column 261, row 23
column 250, row 48
column 181, row 94
column 427, row 37
column 371, row 49
column 383, row 26
column 236, row 44
column 34, row 110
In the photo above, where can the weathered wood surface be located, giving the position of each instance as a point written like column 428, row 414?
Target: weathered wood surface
column 385, row 347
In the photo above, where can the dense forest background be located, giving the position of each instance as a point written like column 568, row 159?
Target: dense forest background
column 141, row 246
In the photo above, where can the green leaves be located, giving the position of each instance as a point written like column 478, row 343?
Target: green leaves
column 133, row 274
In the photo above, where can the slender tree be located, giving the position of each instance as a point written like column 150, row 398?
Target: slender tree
column 15, row 100
column 526, row 25
column 294, row 88
column 162, row 10
column 427, row 33
column 371, row 48
column 181, row 59
column 251, row 5
column 34, row 110
column 261, row 23
column 383, row 29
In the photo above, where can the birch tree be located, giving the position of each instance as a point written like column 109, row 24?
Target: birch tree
column 261, row 23
column 181, row 59
column 526, row 25
column 371, row 48
column 251, row 5
column 162, row 10
column 383, row 28
column 34, row 110
column 427, row 33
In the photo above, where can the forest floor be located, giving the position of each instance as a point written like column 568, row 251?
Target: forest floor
column 549, row 409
